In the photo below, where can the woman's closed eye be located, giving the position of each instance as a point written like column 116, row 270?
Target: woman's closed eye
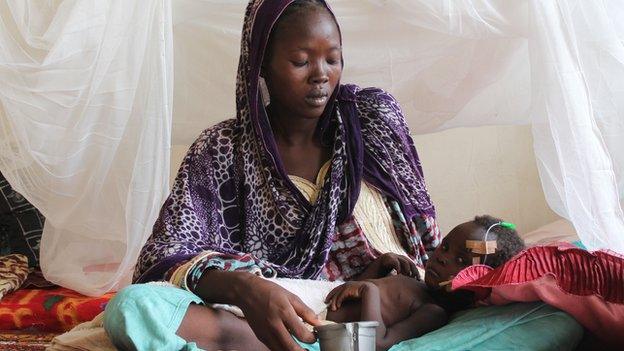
column 299, row 63
column 334, row 60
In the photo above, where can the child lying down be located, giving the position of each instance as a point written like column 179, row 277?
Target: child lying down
column 404, row 306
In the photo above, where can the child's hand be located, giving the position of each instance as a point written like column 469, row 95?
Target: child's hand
column 401, row 264
column 352, row 290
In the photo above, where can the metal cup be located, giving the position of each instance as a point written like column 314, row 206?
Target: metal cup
column 355, row 336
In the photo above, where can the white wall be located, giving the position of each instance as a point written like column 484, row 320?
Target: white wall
column 471, row 171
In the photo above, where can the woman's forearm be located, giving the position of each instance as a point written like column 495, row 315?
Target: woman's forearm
column 227, row 287
column 371, row 271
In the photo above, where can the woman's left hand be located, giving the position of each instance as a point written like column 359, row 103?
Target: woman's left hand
column 352, row 290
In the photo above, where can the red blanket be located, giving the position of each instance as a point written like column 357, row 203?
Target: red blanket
column 51, row 310
column 587, row 285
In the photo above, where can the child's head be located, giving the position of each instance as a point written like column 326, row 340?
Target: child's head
column 452, row 255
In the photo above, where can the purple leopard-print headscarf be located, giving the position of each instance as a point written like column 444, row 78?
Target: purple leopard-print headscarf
column 233, row 195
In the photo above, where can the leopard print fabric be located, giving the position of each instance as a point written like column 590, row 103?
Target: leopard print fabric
column 232, row 195
column 13, row 271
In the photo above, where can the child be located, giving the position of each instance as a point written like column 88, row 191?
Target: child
column 405, row 307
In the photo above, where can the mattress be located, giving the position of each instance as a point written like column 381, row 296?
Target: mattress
column 557, row 231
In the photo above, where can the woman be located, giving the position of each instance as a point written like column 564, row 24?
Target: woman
column 316, row 184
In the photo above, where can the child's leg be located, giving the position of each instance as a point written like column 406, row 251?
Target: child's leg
column 213, row 329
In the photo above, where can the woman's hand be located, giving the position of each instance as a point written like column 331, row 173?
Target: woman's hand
column 353, row 290
column 387, row 262
column 273, row 314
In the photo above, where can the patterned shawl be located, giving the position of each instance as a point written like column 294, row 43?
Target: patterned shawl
column 232, row 193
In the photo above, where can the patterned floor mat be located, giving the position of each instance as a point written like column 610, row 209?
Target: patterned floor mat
column 25, row 340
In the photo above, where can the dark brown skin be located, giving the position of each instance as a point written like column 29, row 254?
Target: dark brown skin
column 305, row 62
column 214, row 329
column 302, row 70
column 388, row 262
column 451, row 256
column 401, row 305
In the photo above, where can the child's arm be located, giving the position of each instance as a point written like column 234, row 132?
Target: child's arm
column 370, row 303
column 423, row 319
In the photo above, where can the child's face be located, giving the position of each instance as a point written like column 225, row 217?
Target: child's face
column 451, row 256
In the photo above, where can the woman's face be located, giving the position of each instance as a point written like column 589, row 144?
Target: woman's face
column 304, row 64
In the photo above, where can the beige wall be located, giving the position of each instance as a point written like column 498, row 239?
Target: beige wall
column 177, row 154
column 472, row 171
column 484, row 170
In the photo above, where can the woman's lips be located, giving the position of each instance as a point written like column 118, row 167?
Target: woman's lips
column 316, row 100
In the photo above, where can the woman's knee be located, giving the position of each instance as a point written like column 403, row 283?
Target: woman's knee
column 214, row 329
column 117, row 306
column 128, row 300
column 129, row 293
column 145, row 316
column 202, row 326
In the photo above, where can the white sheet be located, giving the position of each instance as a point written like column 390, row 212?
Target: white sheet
column 557, row 231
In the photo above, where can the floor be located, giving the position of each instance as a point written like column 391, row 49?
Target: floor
column 25, row 340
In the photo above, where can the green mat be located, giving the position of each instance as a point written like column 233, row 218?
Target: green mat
column 518, row 326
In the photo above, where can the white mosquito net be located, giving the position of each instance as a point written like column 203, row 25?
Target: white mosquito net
column 86, row 96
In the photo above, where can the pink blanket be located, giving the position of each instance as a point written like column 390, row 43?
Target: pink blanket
column 587, row 285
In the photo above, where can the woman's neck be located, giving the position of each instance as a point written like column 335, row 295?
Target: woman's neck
column 299, row 147
column 290, row 129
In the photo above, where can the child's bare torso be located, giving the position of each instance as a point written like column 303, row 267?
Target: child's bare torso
column 399, row 296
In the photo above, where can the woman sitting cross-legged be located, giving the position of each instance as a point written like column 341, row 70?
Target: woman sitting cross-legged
column 313, row 180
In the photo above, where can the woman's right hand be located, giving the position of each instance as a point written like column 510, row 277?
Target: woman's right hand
column 273, row 314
